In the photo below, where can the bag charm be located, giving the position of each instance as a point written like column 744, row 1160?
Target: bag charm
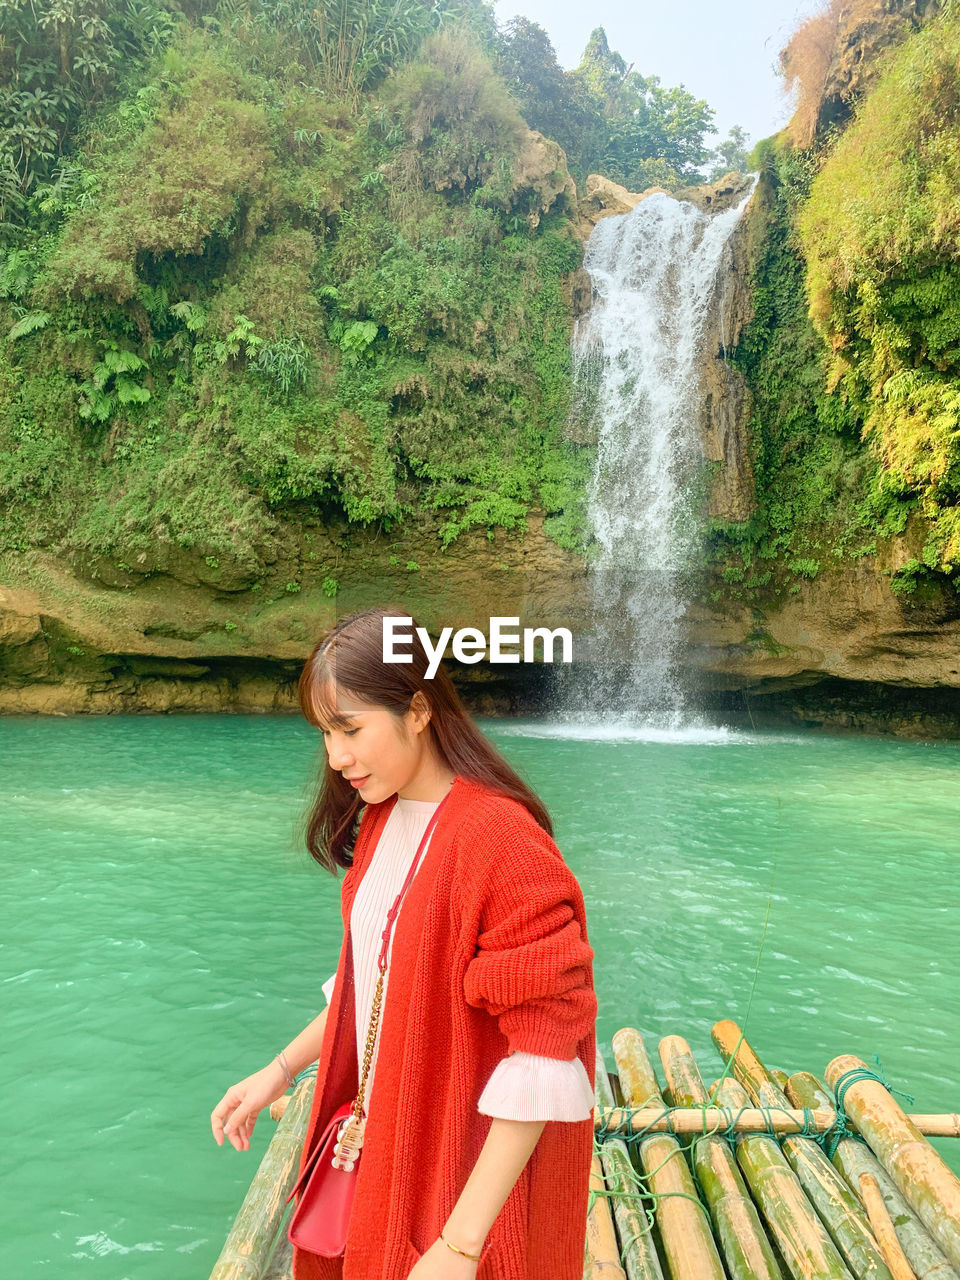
column 346, row 1150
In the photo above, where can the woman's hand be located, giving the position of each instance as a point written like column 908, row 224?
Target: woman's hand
column 236, row 1113
column 441, row 1263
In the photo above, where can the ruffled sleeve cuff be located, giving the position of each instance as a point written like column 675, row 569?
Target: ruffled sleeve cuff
column 327, row 987
column 529, row 1086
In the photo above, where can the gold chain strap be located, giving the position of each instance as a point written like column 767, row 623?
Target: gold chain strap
column 371, row 1041
column 346, row 1151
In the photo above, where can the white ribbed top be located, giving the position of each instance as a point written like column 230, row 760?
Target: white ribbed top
column 524, row 1086
column 376, row 894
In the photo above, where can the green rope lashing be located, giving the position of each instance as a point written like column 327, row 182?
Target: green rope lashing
column 841, row 1129
column 723, row 1128
column 828, row 1139
column 638, row 1190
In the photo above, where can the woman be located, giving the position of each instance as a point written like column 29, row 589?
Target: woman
column 479, row 1134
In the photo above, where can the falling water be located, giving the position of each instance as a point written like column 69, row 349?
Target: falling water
column 637, row 356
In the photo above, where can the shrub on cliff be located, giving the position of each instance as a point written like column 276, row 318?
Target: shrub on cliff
column 460, row 126
column 246, row 298
column 832, row 58
column 821, row 494
column 881, row 236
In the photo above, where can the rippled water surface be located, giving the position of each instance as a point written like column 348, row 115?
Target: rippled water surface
column 162, row 936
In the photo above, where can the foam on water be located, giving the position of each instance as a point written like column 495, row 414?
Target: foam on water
column 690, row 735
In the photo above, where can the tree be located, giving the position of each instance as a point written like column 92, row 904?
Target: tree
column 526, row 61
column 730, row 156
column 608, row 118
column 641, row 131
column 57, row 59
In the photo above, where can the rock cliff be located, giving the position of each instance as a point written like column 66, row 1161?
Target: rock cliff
column 192, row 637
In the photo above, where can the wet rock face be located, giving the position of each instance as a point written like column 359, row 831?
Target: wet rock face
column 603, row 199
column 580, row 292
column 128, row 642
column 846, row 626
column 715, row 197
column 726, row 400
column 843, row 706
column 70, row 645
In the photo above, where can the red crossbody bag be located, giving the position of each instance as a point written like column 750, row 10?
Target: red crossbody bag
column 328, row 1180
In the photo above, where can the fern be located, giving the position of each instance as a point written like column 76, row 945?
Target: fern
column 29, row 323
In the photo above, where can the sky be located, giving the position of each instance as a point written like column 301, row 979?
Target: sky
column 723, row 52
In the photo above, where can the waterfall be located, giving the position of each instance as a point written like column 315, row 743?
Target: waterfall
column 637, row 358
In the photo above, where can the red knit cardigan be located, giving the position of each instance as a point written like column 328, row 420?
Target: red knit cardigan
column 490, row 955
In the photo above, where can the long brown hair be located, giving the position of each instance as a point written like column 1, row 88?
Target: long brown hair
column 350, row 658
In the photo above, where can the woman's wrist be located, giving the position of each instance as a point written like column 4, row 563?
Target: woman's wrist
column 281, row 1059
column 462, row 1250
column 302, row 1049
column 284, row 1071
column 460, row 1239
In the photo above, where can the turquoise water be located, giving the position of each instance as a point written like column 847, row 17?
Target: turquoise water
column 162, row 936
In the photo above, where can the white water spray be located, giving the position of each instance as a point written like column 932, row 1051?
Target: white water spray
column 637, row 356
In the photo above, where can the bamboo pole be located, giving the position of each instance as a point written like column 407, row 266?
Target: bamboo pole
column 702, row 1121
column 601, row 1258
column 637, row 1247
column 747, row 1067
column 839, row 1210
column 746, row 1249
column 825, row 1188
column 925, row 1180
column 683, row 1222
column 684, row 1082
column 798, row 1233
column 926, row 1258
column 246, row 1251
column 946, row 1125
column 638, row 1080
column 853, row 1157
column 281, row 1264
column 883, row 1228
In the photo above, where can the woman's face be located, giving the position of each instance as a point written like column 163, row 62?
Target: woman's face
column 377, row 752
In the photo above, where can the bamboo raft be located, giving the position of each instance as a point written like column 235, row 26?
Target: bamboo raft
column 760, row 1176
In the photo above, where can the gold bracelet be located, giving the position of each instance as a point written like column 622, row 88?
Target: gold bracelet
column 474, row 1256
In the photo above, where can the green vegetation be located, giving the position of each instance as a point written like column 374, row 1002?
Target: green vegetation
column 264, row 277
column 56, row 62
column 822, row 495
column 881, row 235
column 263, row 264
column 261, row 261
column 264, row 261
column 853, row 354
